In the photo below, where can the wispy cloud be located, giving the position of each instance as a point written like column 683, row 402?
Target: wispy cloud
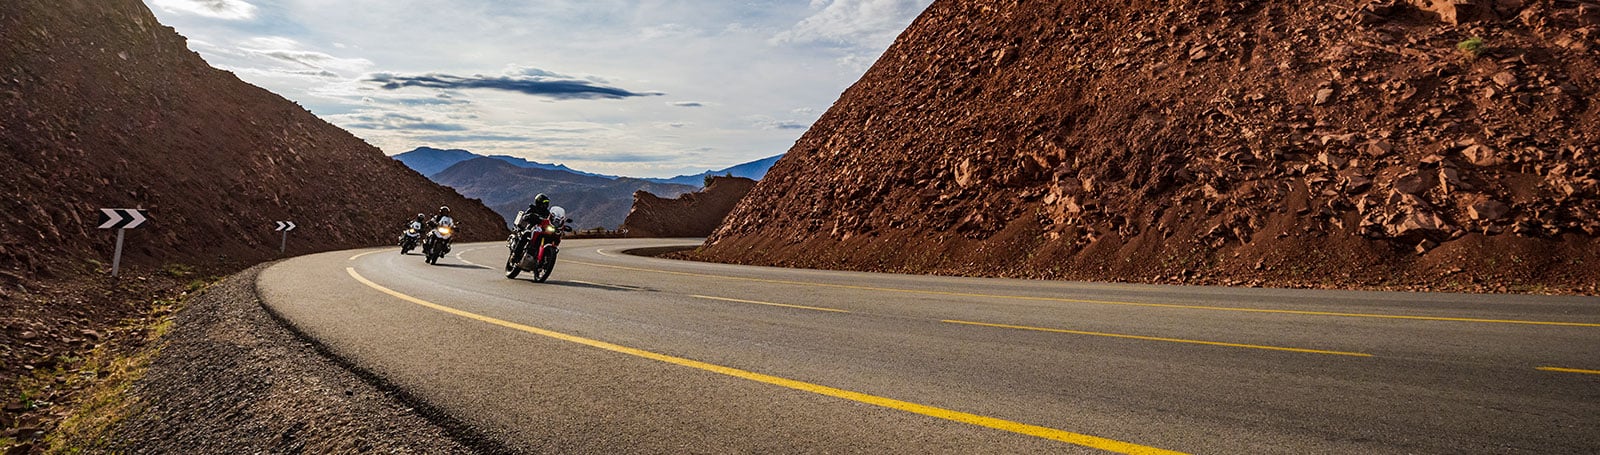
column 613, row 157
column 687, row 104
column 853, row 22
column 534, row 82
column 219, row 9
column 395, row 121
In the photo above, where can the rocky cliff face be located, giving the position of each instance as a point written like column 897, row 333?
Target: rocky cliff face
column 101, row 106
column 689, row 215
column 1441, row 144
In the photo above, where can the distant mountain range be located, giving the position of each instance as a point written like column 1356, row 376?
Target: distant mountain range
column 507, row 183
column 593, row 201
column 429, row 161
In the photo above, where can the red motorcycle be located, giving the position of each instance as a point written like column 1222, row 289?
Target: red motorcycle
column 534, row 248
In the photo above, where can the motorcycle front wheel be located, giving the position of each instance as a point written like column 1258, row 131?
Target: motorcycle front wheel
column 511, row 267
column 543, row 272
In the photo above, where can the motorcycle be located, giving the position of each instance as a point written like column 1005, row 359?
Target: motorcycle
column 534, row 248
column 437, row 243
column 409, row 238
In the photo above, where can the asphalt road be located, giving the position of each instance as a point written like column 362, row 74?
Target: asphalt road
column 620, row 353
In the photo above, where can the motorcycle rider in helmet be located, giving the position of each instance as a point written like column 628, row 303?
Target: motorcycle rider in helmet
column 415, row 223
column 442, row 219
column 529, row 219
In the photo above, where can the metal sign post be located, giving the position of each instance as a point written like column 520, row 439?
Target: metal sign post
column 284, row 227
column 121, row 220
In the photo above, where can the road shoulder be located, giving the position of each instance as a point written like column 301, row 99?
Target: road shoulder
column 232, row 379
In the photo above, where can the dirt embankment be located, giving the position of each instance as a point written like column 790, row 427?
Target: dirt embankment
column 103, row 107
column 689, row 215
column 1377, row 144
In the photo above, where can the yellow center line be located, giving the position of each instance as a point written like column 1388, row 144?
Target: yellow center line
column 352, row 258
column 1103, row 302
column 1173, row 340
column 803, row 307
column 1569, row 370
column 1096, row 442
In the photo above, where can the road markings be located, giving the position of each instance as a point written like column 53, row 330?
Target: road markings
column 1148, row 338
column 1569, row 370
column 1104, row 302
column 462, row 259
column 352, row 258
column 803, row 307
column 1096, row 442
column 606, row 253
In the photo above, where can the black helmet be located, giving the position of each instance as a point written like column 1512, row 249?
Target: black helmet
column 541, row 201
column 444, row 210
column 421, row 217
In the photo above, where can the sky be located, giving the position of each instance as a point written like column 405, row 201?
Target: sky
column 643, row 88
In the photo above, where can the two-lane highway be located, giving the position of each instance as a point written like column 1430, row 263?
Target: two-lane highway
column 620, row 353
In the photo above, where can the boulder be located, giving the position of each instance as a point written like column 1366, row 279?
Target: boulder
column 1489, row 210
column 1457, row 12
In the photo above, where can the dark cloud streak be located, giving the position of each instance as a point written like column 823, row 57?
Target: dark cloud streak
column 536, row 85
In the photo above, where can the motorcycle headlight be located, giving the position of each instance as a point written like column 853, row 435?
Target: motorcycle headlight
column 550, row 229
column 444, row 230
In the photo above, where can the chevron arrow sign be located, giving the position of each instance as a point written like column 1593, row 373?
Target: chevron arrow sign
column 122, row 218
column 285, row 226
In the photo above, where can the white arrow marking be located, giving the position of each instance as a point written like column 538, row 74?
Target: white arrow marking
column 291, row 226
column 138, row 219
column 112, row 218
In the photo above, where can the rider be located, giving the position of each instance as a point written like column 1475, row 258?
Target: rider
column 415, row 224
column 529, row 219
column 537, row 211
column 443, row 218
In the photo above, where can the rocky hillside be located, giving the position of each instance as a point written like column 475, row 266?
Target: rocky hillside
column 689, row 215
column 103, row 107
column 1430, row 144
column 590, row 200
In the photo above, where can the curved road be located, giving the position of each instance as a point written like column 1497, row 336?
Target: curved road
column 620, row 353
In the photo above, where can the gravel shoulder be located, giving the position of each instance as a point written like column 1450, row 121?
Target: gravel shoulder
column 232, row 379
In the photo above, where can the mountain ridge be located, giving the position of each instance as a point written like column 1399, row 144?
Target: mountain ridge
column 429, row 161
column 507, row 188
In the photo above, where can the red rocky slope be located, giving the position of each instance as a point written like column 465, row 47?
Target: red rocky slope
column 101, row 106
column 1297, row 143
column 105, row 107
column 689, row 215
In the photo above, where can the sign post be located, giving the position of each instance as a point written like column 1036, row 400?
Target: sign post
column 284, row 227
column 121, row 220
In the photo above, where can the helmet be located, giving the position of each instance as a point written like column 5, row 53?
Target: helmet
column 421, row 217
column 542, row 201
column 444, row 210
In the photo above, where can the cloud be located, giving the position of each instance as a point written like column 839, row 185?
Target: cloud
column 285, row 50
column 394, row 121
column 219, row 9
column 612, row 157
column 782, row 125
column 851, row 23
column 529, row 81
column 453, row 138
column 687, row 104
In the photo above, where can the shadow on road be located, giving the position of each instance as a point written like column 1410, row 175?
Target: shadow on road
column 604, row 287
column 461, row 266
